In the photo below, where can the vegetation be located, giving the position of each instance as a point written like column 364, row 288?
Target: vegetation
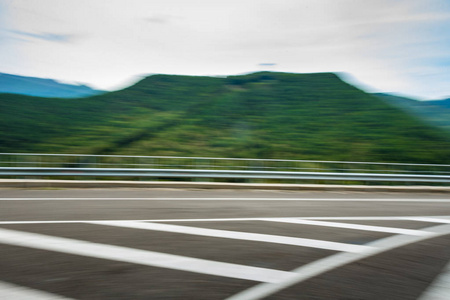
column 260, row 115
column 435, row 113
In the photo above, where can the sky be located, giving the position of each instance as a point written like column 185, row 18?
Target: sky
column 397, row 46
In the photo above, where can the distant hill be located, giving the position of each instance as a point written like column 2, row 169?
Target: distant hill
column 259, row 115
column 435, row 113
column 444, row 103
column 40, row 87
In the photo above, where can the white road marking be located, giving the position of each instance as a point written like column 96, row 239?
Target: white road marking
column 142, row 257
column 439, row 288
column 373, row 218
column 39, row 222
column 429, row 219
column 352, row 226
column 282, row 279
column 382, row 218
column 10, row 291
column 335, row 261
column 233, row 199
column 237, row 235
column 149, row 220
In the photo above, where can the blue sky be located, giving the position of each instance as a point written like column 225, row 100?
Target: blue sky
column 400, row 46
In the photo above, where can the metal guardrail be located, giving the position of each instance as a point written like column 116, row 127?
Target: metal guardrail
column 230, row 174
column 84, row 165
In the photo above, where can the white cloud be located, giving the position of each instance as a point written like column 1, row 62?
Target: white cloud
column 385, row 44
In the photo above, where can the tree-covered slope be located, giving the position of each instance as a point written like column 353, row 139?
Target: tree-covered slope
column 264, row 115
column 435, row 113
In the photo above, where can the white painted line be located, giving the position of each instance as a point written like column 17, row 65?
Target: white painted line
column 39, row 222
column 233, row 199
column 151, row 220
column 142, row 257
column 352, row 226
column 335, row 261
column 10, row 291
column 397, row 218
column 429, row 219
column 237, row 235
column 439, row 288
column 374, row 218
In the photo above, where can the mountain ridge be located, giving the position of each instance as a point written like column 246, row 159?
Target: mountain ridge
column 257, row 115
column 43, row 87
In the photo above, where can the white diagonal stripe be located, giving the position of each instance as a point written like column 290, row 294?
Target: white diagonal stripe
column 352, row 226
column 239, row 235
column 10, row 291
column 142, row 257
column 439, row 288
column 329, row 263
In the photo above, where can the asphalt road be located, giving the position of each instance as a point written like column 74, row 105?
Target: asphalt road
column 223, row 244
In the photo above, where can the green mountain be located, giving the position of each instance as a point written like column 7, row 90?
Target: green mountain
column 260, row 115
column 435, row 113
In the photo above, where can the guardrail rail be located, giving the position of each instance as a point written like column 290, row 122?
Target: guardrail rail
column 168, row 167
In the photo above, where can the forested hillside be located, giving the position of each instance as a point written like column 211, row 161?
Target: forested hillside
column 435, row 113
column 260, row 115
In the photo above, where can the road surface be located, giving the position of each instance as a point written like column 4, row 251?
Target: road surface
column 223, row 244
